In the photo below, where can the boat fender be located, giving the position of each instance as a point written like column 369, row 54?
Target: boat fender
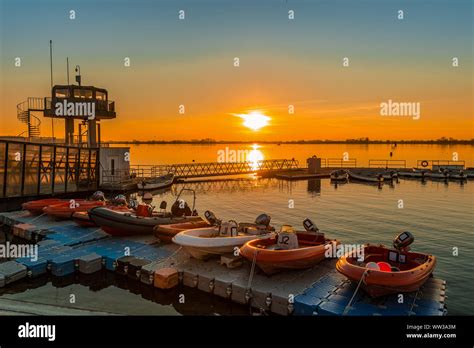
column 384, row 266
column 372, row 265
column 287, row 238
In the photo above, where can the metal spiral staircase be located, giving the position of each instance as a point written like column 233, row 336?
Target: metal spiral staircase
column 25, row 115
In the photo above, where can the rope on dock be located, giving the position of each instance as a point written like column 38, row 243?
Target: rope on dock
column 414, row 300
column 169, row 257
column 346, row 309
column 252, row 269
column 36, row 218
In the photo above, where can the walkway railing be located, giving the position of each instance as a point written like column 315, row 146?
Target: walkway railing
column 340, row 163
column 192, row 170
column 387, row 164
column 440, row 163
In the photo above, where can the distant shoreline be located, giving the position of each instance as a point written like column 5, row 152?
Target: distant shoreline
column 296, row 142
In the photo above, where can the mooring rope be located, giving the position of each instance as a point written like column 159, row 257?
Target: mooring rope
column 36, row 218
column 252, row 269
column 346, row 309
column 169, row 257
column 414, row 300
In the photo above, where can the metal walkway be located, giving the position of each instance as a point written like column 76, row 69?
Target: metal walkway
column 194, row 170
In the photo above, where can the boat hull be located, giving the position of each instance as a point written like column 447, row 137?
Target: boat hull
column 83, row 219
column 165, row 233
column 159, row 183
column 271, row 261
column 343, row 177
column 378, row 283
column 36, row 207
column 125, row 223
column 203, row 243
column 63, row 211
column 365, row 178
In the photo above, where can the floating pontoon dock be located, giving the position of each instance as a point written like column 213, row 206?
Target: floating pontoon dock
column 65, row 249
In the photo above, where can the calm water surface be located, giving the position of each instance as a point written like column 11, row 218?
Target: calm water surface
column 439, row 215
column 167, row 154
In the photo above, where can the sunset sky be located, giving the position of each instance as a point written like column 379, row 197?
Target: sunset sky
column 282, row 62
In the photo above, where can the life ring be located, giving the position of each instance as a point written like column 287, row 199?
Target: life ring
column 424, row 163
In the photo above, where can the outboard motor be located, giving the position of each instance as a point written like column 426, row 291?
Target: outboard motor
column 120, row 200
column 310, row 226
column 263, row 219
column 403, row 241
column 211, row 218
column 98, row 196
column 163, row 205
column 181, row 208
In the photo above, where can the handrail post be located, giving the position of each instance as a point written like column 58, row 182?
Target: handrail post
column 5, row 171
column 23, row 169
column 40, row 162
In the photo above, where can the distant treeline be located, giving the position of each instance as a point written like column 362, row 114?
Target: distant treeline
column 316, row 141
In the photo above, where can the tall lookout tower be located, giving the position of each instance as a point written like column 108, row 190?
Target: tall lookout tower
column 86, row 104
column 77, row 161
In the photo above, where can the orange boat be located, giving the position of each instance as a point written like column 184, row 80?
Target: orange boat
column 386, row 271
column 271, row 256
column 165, row 233
column 65, row 210
column 82, row 219
column 36, row 207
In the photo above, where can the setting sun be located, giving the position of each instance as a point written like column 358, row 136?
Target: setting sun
column 254, row 120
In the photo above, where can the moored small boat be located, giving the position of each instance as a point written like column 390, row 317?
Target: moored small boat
column 366, row 176
column 203, row 243
column 273, row 254
column 121, row 223
column 339, row 175
column 36, row 207
column 83, row 219
column 156, row 183
column 390, row 175
column 386, row 271
column 458, row 175
column 165, row 233
column 64, row 210
column 439, row 174
column 414, row 173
